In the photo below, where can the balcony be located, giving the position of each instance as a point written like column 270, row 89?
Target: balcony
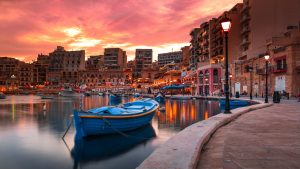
column 245, row 18
column 245, row 30
column 245, row 8
column 245, row 42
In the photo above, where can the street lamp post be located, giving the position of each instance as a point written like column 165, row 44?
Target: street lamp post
column 13, row 77
column 267, row 56
column 230, row 92
column 250, row 70
column 206, row 92
column 226, row 24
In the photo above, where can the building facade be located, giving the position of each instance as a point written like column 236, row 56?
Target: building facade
column 65, row 65
column 259, row 25
column 115, row 58
column 143, row 60
column 170, row 57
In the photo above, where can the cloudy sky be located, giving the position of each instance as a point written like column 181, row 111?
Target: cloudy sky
column 29, row 27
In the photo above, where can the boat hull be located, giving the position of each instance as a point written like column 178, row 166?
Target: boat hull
column 234, row 102
column 160, row 99
column 100, row 126
column 114, row 97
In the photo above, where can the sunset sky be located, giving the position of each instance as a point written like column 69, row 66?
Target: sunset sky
column 29, row 27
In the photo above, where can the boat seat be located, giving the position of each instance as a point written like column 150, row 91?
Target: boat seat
column 135, row 107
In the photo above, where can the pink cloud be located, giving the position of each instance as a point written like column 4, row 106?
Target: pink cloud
column 31, row 27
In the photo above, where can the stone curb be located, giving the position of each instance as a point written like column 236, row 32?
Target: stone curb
column 182, row 151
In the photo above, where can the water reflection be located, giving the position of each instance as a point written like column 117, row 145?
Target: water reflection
column 31, row 131
column 182, row 113
column 106, row 147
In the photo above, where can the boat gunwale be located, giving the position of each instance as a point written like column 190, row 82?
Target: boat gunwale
column 119, row 116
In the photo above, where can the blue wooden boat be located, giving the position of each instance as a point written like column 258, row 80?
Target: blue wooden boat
column 235, row 103
column 114, row 119
column 159, row 98
column 114, row 97
column 109, row 146
column 136, row 95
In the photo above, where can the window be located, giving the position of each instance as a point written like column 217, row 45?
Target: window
column 215, row 76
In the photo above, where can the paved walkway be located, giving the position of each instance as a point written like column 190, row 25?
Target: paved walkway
column 267, row 138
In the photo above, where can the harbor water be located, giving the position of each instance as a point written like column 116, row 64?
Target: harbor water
column 32, row 129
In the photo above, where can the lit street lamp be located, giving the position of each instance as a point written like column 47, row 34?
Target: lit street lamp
column 226, row 24
column 13, row 77
column 267, row 56
column 206, row 86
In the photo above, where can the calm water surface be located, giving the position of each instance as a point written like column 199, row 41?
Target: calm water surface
column 31, row 131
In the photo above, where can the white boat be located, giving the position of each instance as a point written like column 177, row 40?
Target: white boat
column 68, row 92
column 101, row 94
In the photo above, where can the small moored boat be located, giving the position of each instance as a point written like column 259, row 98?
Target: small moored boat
column 114, row 119
column 114, row 97
column 87, row 93
column 101, row 94
column 2, row 95
column 68, row 92
column 136, row 95
column 234, row 102
column 159, row 97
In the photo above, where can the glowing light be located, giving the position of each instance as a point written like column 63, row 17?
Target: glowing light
column 85, row 42
column 72, row 31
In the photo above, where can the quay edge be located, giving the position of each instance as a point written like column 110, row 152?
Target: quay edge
column 183, row 150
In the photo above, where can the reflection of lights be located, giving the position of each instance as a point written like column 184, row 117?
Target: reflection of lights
column 205, row 115
column 13, row 107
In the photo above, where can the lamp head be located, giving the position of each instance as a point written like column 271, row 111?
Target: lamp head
column 226, row 24
column 267, row 56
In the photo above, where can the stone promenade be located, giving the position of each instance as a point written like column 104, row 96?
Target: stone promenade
column 267, row 138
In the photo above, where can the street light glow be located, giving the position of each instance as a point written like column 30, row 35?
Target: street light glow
column 267, row 56
column 226, row 24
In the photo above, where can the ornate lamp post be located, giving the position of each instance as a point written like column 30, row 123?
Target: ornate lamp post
column 226, row 24
column 267, row 56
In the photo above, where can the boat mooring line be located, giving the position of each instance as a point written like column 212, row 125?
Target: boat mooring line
column 68, row 128
column 122, row 133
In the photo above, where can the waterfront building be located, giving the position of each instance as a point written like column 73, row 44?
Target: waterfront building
column 259, row 25
column 9, row 72
column 170, row 57
column 143, row 60
column 115, row 58
column 194, row 48
column 95, row 62
column 216, row 37
column 40, row 70
column 284, row 67
column 65, row 65
column 26, row 75
column 92, row 78
column 185, row 56
column 209, row 80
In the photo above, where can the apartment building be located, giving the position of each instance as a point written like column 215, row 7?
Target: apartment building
column 143, row 59
column 95, row 62
column 259, row 25
column 170, row 57
column 9, row 72
column 64, row 65
column 115, row 58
